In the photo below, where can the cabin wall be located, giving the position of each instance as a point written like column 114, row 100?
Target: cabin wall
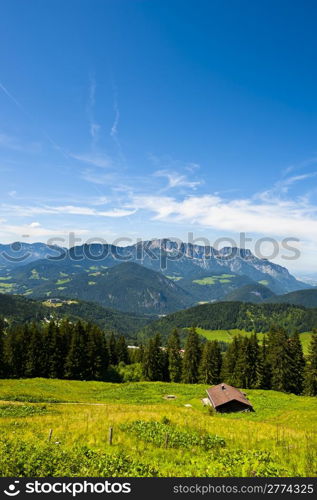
column 233, row 406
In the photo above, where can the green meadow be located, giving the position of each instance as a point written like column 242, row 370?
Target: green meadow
column 54, row 427
column 211, row 280
column 227, row 336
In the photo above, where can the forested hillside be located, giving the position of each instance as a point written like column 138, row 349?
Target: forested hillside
column 306, row 298
column 15, row 309
column 254, row 292
column 236, row 315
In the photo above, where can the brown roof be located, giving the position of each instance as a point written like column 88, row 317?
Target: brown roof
column 222, row 393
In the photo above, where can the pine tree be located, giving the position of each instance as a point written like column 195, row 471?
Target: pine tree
column 164, row 361
column 2, row 360
column 311, row 368
column 136, row 355
column 36, row 363
column 191, row 358
column 230, row 360
column 296, row 382
column 66, row 329
column 263, row 371
column 112, row 348
column 76, row 365
column 280, row 360
column 245, row 368
column 210, row 366
column 16, row 349
column 122, row 351
column 253, row 350
column 152, row 360
column 241, row 367
column 174, row 357
column 54, row 351
column 97, row 354
column 140, row 354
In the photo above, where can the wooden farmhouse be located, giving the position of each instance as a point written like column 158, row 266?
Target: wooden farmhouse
column 225, row 398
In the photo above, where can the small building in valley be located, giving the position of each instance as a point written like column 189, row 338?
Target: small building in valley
column 225, row 398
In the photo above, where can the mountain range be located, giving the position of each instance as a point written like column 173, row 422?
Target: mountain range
column 154, row 277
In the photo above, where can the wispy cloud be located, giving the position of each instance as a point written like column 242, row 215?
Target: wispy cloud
column 115, row 124
column 28, row 211
column 282, row 187
column 100, row 160
column 299, row 166
column 34, row 230
column 12, row 143
column 192, row 167
column 31, row 117
column 10, row 96
column 98, row 178
column 177, row 180
column 176, row 172
column 114, row 130
column 94, row 127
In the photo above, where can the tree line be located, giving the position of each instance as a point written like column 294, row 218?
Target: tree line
column 82, row 351
column 61, row 350
column 278, row 363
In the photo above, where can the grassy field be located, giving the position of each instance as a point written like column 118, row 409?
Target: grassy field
column 227, row 336
column 279, row 438
column 211, row 280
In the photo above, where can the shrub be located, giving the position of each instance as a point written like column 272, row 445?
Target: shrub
column 165, row 434
column 130, row 373
column 19, row 459
column 248, row 463
column 13, row 411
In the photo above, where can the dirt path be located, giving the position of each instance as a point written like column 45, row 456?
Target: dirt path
column 52, row 403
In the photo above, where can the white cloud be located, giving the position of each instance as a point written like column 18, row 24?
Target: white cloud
column 114, row 127
column 99, row 200
column 73, row 210
column 192, row 167
column 28, row 211
column 14, row 232
column 94, row 127
column 291, row 218
column 97, row 178
column 304, row 164
column 282, row 187
column 177, row 180
column 96, row 159
column 10, row 96
column 11, row 143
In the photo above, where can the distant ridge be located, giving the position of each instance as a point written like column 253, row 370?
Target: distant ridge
column 306, row 298
column 255, row 293
column 175, row 260
column 18, row 309
column 235, row 315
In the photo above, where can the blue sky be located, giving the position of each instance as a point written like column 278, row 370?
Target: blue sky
column 153, row 118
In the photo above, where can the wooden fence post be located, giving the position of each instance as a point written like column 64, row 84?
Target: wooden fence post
column 110, row 436
column 166, row 441
column 50, row 435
